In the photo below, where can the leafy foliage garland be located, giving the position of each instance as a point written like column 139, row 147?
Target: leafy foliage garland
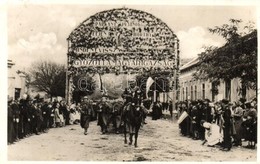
column 122, row 34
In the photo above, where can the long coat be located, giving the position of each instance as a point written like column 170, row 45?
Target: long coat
column 57, row 115
column 227, row 127
column 10, row 125
column 86, row 114
column 238, row 113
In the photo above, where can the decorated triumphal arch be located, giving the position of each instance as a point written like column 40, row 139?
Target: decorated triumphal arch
column 122, row 41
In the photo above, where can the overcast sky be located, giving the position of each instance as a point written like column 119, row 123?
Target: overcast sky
column 40, row 31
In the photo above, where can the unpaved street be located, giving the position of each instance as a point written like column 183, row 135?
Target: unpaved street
column 158, row 141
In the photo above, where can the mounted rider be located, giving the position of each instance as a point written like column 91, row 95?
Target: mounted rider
column 133, row 97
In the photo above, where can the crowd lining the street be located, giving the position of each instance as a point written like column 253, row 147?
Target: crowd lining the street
column 237, row 122
column 27, row 117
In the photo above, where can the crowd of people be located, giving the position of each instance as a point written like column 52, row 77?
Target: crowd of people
column 236, row 121
column 35, row 116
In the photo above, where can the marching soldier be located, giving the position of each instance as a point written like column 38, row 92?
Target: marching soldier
column 86, row 114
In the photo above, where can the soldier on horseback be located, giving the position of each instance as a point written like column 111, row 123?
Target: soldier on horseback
column 133, row 113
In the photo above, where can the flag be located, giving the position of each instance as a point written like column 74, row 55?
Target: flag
column 149, row 82
column 182, row 117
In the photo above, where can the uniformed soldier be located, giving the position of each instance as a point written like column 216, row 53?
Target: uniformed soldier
column 86, row 114
column 127, row 96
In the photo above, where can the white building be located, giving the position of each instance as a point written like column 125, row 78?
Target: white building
column 16, row 82
column 199, row 89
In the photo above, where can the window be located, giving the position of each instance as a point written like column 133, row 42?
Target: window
column 183, row 97
column 228, row 89
column 186, row 93
column 195, row 92
column 191, row 92
column 203, row 91
column 214, row 90
column 17, row 92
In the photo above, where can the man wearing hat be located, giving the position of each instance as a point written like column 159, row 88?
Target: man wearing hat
column 127, row 96
column 16, row 116
column 200, row 116
column 207, row 112
column 10, row 120
column 227, row 125
column 86, row 114
column 194, row 122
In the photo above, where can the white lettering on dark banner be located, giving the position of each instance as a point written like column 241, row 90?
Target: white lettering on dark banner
column 129, row 62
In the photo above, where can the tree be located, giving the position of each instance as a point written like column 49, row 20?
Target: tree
column 236, row 59
column 49, row 77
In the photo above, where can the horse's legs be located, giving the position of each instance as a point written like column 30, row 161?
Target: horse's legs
column 136, row 134
column 131, row 138
column 125, row 133
column 117, row 123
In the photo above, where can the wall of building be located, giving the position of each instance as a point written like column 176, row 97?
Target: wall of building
column 193, row 89
column 16, row 82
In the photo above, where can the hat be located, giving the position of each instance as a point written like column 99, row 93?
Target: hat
column 248, row 104
column 230, row 104
column 200, row 101
column 242, row 100
column 225, row 101
column 10, row 99
column 85, row 97
column 206, row 100
column 194, row 103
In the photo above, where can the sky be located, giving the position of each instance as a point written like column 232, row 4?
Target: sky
column 39, row 32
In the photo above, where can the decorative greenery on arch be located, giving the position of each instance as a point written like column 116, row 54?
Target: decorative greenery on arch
column 121, row 33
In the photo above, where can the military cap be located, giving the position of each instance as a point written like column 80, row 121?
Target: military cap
column 225, row 101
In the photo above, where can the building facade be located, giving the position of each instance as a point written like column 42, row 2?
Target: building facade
column 192, row 89
column 16, row 82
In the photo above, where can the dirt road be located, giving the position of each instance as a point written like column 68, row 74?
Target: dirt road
column 158, row 141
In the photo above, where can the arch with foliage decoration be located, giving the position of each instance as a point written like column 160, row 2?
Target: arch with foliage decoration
column 122, row 41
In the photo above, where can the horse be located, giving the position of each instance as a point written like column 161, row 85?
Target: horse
column 132, row 116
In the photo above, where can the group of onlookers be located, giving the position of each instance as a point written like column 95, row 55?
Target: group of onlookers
column 237, row 122
column 159, row 107
column 34, row 116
